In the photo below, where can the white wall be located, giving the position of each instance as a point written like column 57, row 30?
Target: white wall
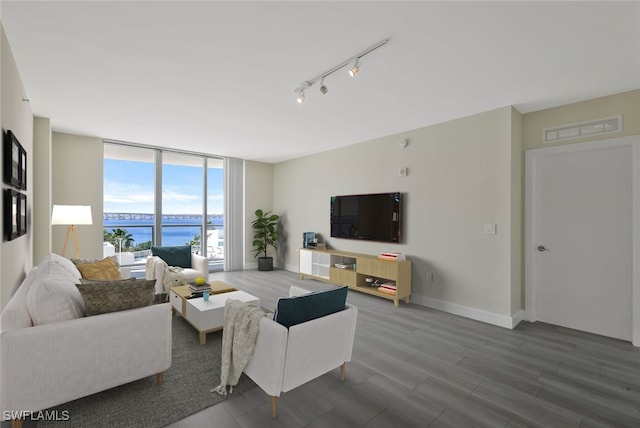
column 15, row 115
column 77, row 179
column 460, row 178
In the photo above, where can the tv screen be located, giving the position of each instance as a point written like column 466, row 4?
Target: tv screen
column 371, row 217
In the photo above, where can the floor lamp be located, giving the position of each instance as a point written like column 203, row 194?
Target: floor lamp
column 71, row 216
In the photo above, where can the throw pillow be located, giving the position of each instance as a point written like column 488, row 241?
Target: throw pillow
column 16, row 314
column 112, row 296
column 62, row 262
column 53, row 296
column 298, row 309
column 105, row 269
column 174, row 256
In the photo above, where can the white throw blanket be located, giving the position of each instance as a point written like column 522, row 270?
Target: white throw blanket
column 239, row 335
column 172, row 274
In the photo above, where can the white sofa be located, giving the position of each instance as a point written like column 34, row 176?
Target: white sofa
column 199, row 268
column 284, row 359
column 56, row 362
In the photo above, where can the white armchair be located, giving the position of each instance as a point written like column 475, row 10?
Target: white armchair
column 157, row 269
column 284, row 359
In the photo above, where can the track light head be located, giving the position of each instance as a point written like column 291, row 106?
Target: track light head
column 300, row 98
column 323, row 88
column 353, row 71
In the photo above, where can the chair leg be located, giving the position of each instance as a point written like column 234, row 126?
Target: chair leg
column 159, row 378
column 274, row 405
column 342, row 367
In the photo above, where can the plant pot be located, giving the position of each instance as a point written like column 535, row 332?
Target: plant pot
column 265, row 263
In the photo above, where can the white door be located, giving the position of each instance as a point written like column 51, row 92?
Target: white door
column 583, row 243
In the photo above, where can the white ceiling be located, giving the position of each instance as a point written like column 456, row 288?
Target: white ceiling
column 219, row 77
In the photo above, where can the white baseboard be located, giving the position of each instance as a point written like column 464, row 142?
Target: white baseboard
column 292, row 268
column 475, row 314
column 452, row 308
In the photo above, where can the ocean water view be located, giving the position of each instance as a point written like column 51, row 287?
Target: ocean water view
column 176, row 229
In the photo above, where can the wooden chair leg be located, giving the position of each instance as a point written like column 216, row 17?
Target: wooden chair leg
column 274, row 405
column 159, row 378
column 342, row 367
column 16, row 423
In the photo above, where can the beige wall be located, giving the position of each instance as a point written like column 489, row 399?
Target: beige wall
column 460, row 178
column 517, row 209
column 258, row 193
column 627, row 104
column 15, row 115
column 77, row 178
column 41, row 219
column 462, row 174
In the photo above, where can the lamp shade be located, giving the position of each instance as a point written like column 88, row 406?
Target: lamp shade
column 71, row 214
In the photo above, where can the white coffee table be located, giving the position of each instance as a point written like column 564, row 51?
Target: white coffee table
column 207, row 317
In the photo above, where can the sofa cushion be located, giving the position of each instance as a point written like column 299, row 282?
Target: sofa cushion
column 105, row 269
column 298, row 309
column 53, row 296
column 110, row 296
column 174, row 256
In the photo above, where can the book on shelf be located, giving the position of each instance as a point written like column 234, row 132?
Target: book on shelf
column 394, row 257
column 387, row 290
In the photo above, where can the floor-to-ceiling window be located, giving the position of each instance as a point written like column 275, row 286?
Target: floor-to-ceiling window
column 159, row 197
column 182, row 200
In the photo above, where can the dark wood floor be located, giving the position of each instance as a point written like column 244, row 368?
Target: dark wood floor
column 414, row 366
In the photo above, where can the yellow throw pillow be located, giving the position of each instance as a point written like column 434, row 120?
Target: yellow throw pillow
column 105, row 269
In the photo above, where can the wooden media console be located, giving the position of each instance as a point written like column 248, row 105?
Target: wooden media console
column 354, row 270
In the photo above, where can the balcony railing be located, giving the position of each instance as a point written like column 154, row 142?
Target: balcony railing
column 177, row 234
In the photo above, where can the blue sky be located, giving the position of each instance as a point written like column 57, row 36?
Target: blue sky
column 128, row 187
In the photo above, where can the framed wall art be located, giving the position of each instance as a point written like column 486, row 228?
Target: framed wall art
column 15, row 162
column 22, row 169
column 11, row 214
column 22, row 214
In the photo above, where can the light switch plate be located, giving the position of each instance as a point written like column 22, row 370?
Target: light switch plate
column 490, row 229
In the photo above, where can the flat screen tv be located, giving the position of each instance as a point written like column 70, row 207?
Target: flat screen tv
column 371, row 217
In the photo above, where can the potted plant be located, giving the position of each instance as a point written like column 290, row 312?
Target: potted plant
column 265, row 235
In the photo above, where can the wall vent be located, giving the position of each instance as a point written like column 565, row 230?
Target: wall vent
column 582, row 129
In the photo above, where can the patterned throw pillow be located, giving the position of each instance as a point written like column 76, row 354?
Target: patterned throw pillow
column 112, row 296
column 105, row 269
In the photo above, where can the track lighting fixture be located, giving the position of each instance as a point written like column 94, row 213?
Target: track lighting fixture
column 353, row 71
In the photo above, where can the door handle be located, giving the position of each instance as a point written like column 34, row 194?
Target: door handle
column 542, row 248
